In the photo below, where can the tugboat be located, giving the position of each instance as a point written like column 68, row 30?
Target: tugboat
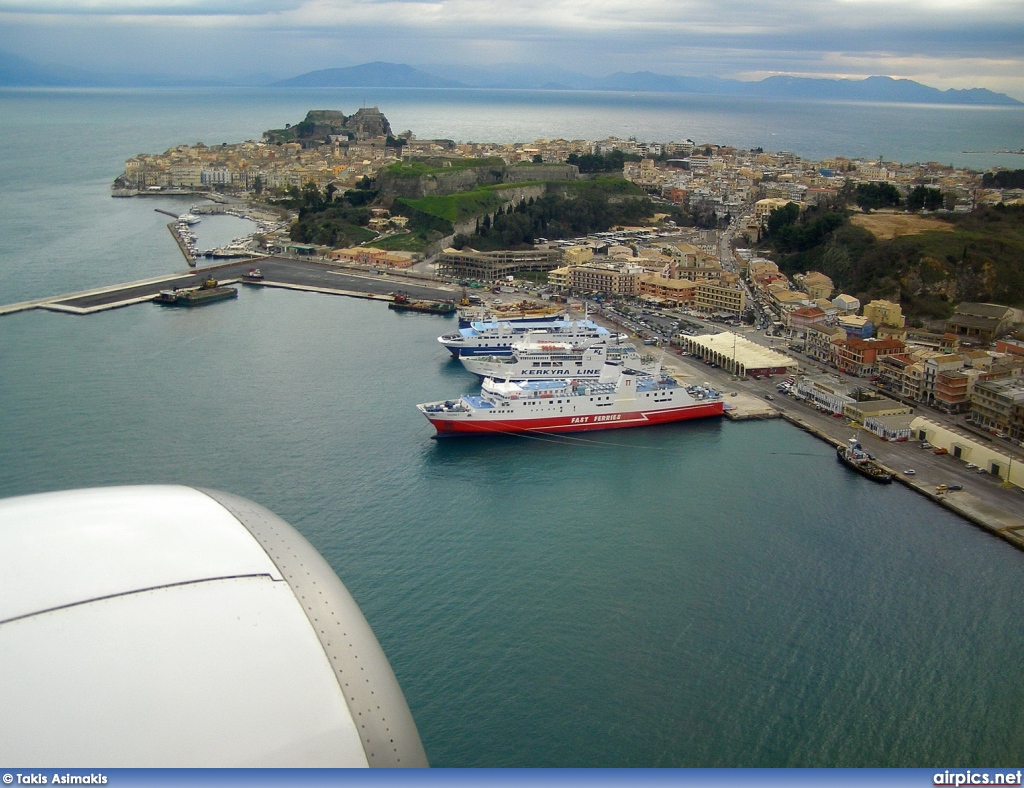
column 253, row 275
column 853, row 456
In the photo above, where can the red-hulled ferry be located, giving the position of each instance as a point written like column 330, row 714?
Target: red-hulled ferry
column 621, row 398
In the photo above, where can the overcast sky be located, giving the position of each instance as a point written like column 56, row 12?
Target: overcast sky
column 943, row 43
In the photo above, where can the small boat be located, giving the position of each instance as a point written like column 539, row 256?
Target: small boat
column 253, row 275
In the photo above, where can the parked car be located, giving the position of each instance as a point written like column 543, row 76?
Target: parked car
column 953, row 487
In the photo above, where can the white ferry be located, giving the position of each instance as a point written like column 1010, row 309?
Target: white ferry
column 619, row 398
column 496, row 338
column 531, row 360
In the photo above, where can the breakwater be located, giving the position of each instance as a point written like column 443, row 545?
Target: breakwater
column 182, row 243
column 304, row 275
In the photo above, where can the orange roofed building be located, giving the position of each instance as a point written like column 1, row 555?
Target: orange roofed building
column 861, row 356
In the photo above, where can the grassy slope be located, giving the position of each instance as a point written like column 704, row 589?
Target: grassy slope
column 464, row 205
column 405, row 242
column 416, row 169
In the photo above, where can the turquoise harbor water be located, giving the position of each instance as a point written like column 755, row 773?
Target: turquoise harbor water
column 707, row 594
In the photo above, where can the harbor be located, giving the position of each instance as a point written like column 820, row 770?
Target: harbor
column 982, row 501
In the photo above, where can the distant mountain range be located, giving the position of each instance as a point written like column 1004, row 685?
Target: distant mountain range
column 369, row 75
column 380, row 74
column 18, row 71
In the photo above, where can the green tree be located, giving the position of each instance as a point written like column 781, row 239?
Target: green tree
column 781, row 217
column 924, row 198
column 871, row 196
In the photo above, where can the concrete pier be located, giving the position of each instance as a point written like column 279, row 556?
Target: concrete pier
column 305, row 275
column 173, row 227
column 1005, row 523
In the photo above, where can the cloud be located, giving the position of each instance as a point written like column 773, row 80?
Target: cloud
column 954, row 41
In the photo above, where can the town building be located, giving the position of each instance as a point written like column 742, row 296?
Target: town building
column 856, row 326
column 861, row 411
column 493, row 266
column 799, row 320
column 714, row 297
column 763, row 208
column 982, row 323
column 846, row 304
column 950, row 362
column 815, row 284
column 890, row 428
column 678, row 292
column 861, row 356
column 902, row 375
column 558, row 278
column 826, row 392
column 609, row 278
column 820, row 338
column 577, row 255
column 998, row 405
column 885, row 313
column 737, row 355
column 971, row 449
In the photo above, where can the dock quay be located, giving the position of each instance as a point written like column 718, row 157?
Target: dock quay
column 1006, row 524
column 173, row 227
column 302, row 275
column 743, row 407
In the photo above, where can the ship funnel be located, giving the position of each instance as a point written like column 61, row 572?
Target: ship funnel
column 610, row 372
